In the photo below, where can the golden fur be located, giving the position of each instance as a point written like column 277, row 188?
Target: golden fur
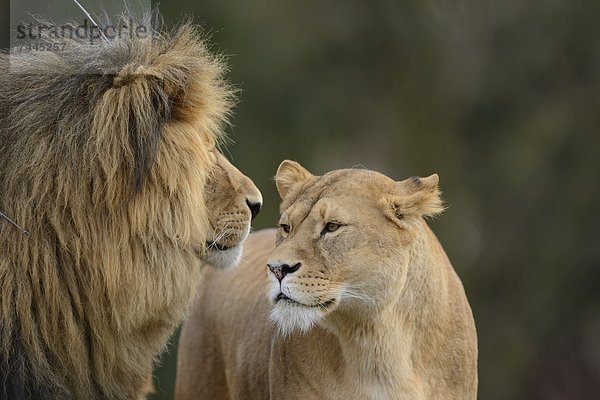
column 104, row 160
column 369, row 307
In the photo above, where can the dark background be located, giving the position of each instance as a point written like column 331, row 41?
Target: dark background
column 500, row 98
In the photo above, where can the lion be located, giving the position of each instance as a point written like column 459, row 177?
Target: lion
column 360, row 301
column 111, row 173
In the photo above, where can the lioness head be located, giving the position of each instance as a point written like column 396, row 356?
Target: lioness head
column 343, row 239
column 233, row 201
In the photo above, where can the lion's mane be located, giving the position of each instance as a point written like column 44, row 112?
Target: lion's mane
column 103, row 160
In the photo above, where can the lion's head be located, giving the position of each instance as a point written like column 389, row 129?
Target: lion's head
column 233, row 201
column 343, row 240
column 109, row 159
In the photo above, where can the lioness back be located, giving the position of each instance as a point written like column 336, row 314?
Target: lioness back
column 218, row 328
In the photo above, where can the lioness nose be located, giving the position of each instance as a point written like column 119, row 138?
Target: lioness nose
column 280, row 271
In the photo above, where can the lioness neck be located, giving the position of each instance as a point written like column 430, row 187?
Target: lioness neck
column 383, row 345
column 377, row 355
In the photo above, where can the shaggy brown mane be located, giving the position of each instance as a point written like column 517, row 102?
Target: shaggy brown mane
column 103, row 159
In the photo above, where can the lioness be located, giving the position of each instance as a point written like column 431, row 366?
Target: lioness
column 365, row 302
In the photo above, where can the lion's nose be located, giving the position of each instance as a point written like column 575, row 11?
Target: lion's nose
column 281, row 270
column 254, row 207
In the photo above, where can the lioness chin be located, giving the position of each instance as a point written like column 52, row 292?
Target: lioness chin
column 360, row 301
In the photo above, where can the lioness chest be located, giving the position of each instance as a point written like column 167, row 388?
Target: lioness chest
column 311, row 366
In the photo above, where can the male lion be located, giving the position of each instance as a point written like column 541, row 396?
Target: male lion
column 365, row 302
column 109, row 160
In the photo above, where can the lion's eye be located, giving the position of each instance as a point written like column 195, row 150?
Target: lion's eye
column 285, row 227
column 331, row 227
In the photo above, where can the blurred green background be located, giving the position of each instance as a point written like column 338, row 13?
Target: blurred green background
column 501, row 98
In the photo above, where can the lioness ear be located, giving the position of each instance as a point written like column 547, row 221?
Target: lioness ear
column 417, row 196
column 290, row 174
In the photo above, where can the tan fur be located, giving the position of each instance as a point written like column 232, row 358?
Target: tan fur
column 107, row 170
column 375, row 311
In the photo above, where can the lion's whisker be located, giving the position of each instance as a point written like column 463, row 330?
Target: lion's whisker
column 23, row 231
column 92, row 20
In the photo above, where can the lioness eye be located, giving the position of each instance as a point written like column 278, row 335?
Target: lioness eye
column 285, row 227
column 331, row 227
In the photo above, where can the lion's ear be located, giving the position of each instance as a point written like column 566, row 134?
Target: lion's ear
column 145, row 103
column 176, row 81
column 418, row 197
column 290, row 174
column 146, row 121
